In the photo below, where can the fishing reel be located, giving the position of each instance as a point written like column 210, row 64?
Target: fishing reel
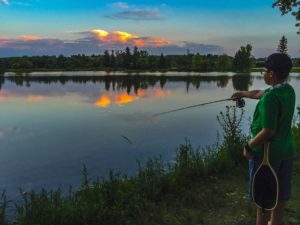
column 240, row 102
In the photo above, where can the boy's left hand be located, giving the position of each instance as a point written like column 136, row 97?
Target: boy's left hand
column 247, row 154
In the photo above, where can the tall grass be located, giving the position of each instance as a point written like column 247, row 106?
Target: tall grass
column 136, row 200
column 3, row 208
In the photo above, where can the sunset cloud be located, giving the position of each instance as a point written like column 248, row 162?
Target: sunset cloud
column 30, row 38
column 97, row 41
column 117, row 98
column 35, row 98
column 123, row 98
column 7, row 94
column 124, row 38
column 104, row 101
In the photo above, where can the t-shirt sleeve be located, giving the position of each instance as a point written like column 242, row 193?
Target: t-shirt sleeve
column 269, row 112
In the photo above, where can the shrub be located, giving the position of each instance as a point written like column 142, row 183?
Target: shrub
column 233, row 138
column 152, row 179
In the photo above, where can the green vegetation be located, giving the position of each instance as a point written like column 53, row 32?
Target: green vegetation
column 282, row 46
column 295, row 69
column 289, row 6
column 242, row 60
column 119, row 60
column 137, row 60
column 202, row 186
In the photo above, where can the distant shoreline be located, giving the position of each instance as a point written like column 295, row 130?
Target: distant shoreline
column 106, row 72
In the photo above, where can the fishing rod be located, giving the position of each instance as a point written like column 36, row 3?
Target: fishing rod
column 240, row 103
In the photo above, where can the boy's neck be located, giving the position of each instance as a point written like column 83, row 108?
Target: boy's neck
column 278, row 82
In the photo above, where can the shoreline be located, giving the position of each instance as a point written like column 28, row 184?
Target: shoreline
column 105, row 72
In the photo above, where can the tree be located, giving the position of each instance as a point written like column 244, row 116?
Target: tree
column 196, row 62
column 142, row 62
column 106, row 59
column 162, row 63
column 2, row 67
column 112, row 62
column 62, row 62
column 289, row 6
column 135, row 57
column 282, row 47
column 127, row 58
column 21, row 63
column 223, row 63
column 242, row 61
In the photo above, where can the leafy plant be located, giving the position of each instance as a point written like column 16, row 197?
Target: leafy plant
column 233, row 137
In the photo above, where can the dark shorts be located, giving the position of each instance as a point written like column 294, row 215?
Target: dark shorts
column 283, row 170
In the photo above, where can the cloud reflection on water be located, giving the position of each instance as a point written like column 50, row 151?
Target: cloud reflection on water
column 122, row 98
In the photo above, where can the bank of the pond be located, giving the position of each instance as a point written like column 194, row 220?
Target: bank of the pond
column 154, row 197
column 259, row 69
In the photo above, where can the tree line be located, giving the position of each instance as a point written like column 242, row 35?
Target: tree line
column 129, row 59
column 135, row 59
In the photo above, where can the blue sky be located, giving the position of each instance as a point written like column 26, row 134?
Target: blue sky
column 36, row 27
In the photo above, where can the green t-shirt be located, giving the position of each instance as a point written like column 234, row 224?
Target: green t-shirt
column 275, row 110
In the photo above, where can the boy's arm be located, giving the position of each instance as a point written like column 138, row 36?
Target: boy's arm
column 255, row 94
column 263, row 136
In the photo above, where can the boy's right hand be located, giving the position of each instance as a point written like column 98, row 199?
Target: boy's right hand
column 237, row 95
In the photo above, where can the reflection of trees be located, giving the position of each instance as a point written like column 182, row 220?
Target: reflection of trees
column 1, row 81
column 128, row 82
column 242, row 82
column 222, row 82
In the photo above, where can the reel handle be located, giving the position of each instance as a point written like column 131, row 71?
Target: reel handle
column 240, row 103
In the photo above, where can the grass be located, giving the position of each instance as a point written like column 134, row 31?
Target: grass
column 259, row 69
column 203, row 186
column 296, row 69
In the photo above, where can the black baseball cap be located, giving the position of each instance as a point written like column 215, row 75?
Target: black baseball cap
column 280, row 63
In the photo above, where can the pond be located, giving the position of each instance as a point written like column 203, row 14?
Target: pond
column 53, row 124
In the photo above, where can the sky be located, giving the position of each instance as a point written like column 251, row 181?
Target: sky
column 54, row 27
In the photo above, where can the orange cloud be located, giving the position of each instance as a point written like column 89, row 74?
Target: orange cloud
column 7, row 94
column 102, row 34
column 125, row 98
column 116, row 98
column 30, row 38
column 153, row 93
column 124, row 38
column 104, row 101
column 159, row 93
column 140, row 92
column 35, row 98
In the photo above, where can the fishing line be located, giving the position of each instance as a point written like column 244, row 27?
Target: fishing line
column 240, row 103
column 134, row 146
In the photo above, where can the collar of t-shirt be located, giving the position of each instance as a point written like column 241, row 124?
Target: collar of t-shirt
column 278, row 85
